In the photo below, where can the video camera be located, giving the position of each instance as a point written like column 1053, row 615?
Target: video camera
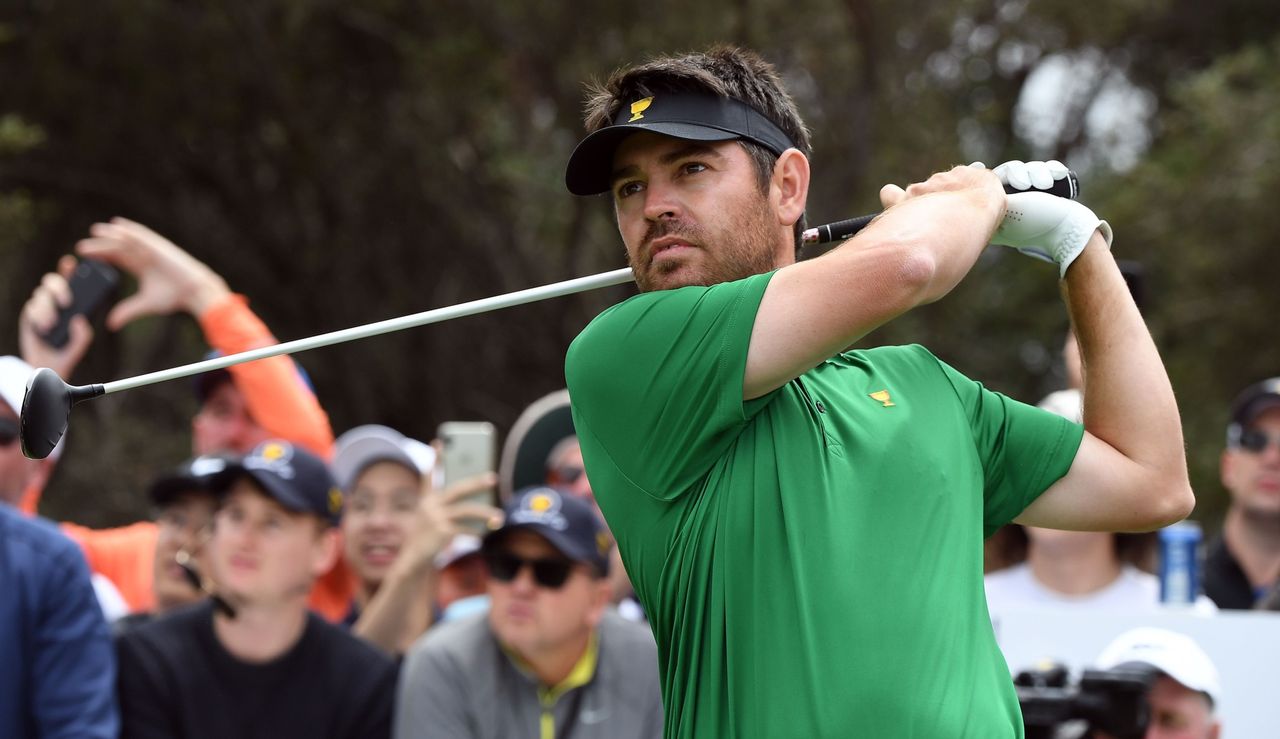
column 1114, row 701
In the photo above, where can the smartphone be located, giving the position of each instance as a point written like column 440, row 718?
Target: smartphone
column 468, row 448
column 91, row 284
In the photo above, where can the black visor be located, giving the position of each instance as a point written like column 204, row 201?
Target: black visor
column 689, row 116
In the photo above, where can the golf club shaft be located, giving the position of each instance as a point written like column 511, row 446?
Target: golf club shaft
column 483, row 305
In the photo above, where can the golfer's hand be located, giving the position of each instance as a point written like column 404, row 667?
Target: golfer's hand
column 443, row 514
column 40, row 313
column 974, row 177
column 1027, row 175
column 169, row 279
column 1044, row 226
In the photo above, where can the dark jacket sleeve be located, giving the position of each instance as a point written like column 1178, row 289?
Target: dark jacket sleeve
column 74, row 667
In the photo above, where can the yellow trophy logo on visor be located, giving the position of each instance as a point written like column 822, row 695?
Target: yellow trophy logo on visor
column 638, row 108
column 540, row 504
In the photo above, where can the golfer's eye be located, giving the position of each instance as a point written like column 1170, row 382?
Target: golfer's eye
column 693, row 167
column 628, row 189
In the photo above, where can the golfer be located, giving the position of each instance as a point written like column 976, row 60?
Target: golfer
column 803, row 523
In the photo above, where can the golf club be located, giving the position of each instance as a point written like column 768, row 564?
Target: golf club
column 46, row 408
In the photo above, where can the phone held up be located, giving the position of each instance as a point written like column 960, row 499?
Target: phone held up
column 468, row 448
column 91, row 284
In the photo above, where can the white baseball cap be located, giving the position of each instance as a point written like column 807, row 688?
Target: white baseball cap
column 360, row 447
column 14, row 373
column 1176, row 655
column 1066, row 403
column 462, row 545
column 13, row 381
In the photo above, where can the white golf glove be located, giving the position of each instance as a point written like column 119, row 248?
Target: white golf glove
column 1041, row 225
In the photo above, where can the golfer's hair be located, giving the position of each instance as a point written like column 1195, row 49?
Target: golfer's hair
column 721, row 70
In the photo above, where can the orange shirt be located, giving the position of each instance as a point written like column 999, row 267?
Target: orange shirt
column 281, row 403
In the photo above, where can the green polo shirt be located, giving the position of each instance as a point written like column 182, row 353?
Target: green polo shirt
column 810, row 561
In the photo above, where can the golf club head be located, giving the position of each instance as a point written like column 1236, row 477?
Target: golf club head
column 46, row 409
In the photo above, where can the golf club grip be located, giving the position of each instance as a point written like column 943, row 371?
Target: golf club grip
column 1067, row 187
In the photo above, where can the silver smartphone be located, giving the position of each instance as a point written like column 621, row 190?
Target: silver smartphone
column 468, row 448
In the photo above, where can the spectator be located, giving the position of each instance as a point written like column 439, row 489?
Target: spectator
column 56, row 663
column 1243, row 564
column 550, row 659
column 273, row 669
column 239, row 407
column 788, row 508
column 1186, row 686
column 543, row 449
column 406, row 545
column 1074, row 569
column 185, row 503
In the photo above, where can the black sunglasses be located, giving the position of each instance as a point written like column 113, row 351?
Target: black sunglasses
column 1256, row 441
column 549, row 573
column 8, row 432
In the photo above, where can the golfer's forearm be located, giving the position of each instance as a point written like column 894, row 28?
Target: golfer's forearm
column 1128, row 400
column 913, row 254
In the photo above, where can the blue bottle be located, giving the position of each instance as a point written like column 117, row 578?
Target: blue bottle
column 1180, row 563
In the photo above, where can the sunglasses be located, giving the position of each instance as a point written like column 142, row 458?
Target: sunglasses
column 548, row 573
column 1256, row 441
column 8, row 432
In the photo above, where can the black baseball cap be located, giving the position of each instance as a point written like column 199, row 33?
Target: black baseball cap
column 691, row 116
column 195, row 475
column 293, row 477
column 569, row 523
column 1249, row 404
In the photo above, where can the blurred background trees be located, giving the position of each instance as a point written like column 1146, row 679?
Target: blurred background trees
column 341, row 163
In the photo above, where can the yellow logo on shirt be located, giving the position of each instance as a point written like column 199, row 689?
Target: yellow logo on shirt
column 883, row 397
column 638, row 108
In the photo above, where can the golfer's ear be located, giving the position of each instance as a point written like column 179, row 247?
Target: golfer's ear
column 790, row 185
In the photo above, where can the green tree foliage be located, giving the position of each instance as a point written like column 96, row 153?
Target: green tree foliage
column 341, row 163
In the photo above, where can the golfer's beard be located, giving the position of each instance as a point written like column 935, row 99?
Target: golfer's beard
column 746, row 250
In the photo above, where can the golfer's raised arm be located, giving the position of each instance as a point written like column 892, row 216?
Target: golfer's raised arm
column 1131, row 471
column 928, row 238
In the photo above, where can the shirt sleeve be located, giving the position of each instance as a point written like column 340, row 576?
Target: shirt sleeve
column 1024, row 449
column 661, row 376
column 124, row 555
column 431, row 700
column 143, row 692
column 373, row 720
column 276, row 394
column 74, row 668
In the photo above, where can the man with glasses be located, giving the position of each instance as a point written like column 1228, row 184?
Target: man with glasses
column 1244, row 563
column 550, row 659
column 185, row 504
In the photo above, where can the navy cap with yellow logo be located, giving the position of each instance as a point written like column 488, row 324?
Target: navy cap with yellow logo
column 685, row 115
column 568, row 523
column 293, row 477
